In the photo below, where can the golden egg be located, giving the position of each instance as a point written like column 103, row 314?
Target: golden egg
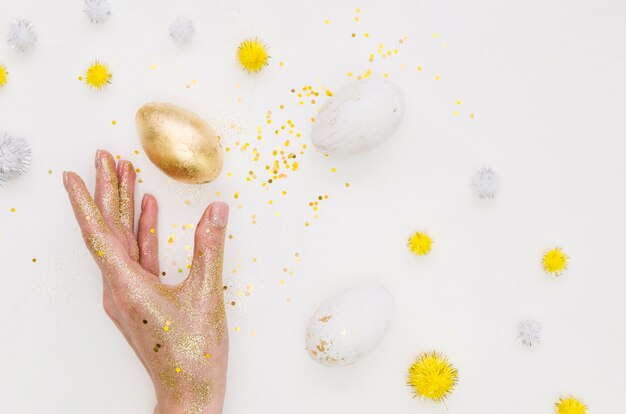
column 179, row 143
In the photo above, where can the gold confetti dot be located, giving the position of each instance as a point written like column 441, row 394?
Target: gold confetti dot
column 177, row 370
column 114, row 122
column 49, row 171
column 237, row 329
column 12, row 209
column 166, row 328
column 34, row 260
column 152, row 231
column 207, row 355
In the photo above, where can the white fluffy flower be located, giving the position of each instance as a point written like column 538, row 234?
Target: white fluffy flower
column 182, row 30
column 529, row 332
column 14, row 157
column 21, row 36
column 486, row 183
column 98, row 11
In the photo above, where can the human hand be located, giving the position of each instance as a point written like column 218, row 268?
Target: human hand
column 178, row 332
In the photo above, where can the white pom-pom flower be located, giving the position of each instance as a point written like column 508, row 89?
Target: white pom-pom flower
column 98, row 11
column 182, row 30
column 21, row 36
column 529, row 332
column 14, row 157
column 486, row 183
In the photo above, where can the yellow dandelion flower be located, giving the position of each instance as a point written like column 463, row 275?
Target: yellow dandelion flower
column 555, row 261
column 252, row 55
column 432, row 376
column 420, row 243
column 570, row 406
column 4, row 74
column 98, row 75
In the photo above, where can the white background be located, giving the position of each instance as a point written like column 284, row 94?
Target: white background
column 546, row 82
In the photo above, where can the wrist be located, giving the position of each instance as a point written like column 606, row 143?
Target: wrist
column 183, row 407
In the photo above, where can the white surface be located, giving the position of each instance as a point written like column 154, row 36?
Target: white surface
column 546, row 82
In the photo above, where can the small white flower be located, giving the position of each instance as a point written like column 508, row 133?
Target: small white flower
column 529, row 332
column 98, row 11
column 21, row 36
column 486, row 183
column 182, row 30
column 14, row 157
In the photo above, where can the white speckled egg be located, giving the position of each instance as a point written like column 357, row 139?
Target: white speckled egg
column 359, row 116
column 348, row 326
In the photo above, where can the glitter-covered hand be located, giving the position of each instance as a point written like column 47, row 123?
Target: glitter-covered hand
column 178, row 332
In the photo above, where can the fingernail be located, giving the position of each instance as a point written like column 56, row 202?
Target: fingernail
column 120, row 167
column 98, row 156
column 66, row 178
column 219, row 214
column 144, row 201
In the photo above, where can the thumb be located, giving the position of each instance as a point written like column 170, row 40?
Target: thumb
column 206, row 268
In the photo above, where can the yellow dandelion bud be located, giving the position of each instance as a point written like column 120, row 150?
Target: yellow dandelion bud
column 252, row 55
column 420, row 243
column 97, row 75
column 570, row 406
column 432, row 376
column 4, row 74
column 555, row 261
